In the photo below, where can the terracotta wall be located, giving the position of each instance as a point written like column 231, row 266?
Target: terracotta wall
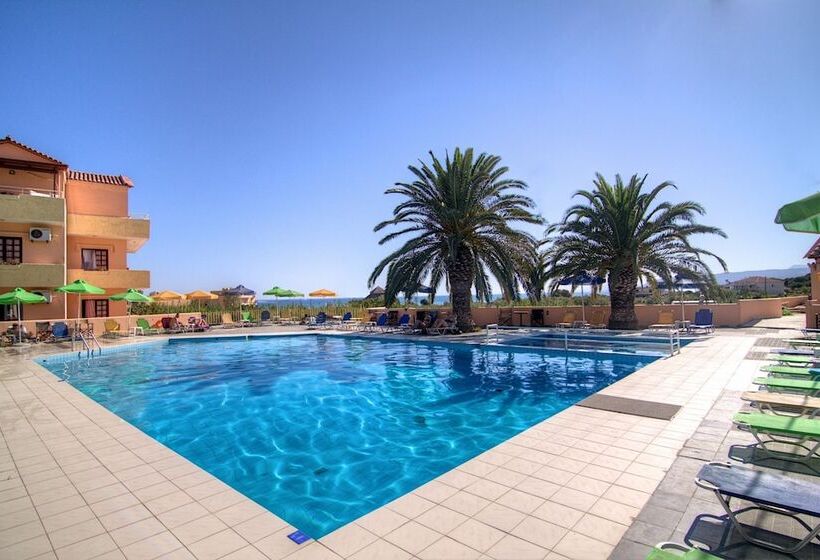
column 793, row 301
column 37, row 252
column 724, row 314
column 99, row 323
column 24, row 178
column 97, row 199
column 117, row 252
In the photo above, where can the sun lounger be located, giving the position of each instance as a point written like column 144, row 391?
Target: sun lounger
column 666, row 320
column 446, row 326
column 144, row 328
column 172, row 325
column 675, row 551
column 797, row 342
column 112, row 327
column 59, row 331
column 793, row 360
column 793, row 351
column 568, row 321
column 768, row 492
column 785, row 385
column 349, row 323
column 403, row 326
column 227, row 321
column 247, row 319
column 319, row 321
column 792, row 371
column 42, row 331
column 768, row 429
column 783, row 404
column 704, row 321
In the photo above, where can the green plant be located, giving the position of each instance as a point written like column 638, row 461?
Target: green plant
column 622, row 232
column 459, row 212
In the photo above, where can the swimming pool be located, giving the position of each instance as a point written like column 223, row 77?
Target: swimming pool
column 321, row 429
column 656, row 344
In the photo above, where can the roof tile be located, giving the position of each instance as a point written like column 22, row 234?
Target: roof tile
column 10, row 140
column 100, row 178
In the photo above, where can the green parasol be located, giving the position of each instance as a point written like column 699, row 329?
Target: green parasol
column 18, row 297
column 131, row 296
column 282, row 292
column 802, row 215
column 278, row 292
column 79, row 287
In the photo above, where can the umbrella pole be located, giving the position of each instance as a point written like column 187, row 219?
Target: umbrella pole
column 19, row 324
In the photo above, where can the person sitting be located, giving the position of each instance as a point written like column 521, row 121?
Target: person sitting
column 177, row 325
column 427, row 323
column 198, row 324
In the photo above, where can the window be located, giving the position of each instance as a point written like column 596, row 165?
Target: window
column 95, row 259
column 95, row 308
column 11, row 250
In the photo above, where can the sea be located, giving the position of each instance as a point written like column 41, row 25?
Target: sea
column 321, row 302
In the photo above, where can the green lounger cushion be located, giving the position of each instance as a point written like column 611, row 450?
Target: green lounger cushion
column 691, row 554
column 792, row 370
column 792, row 359
column 785, row 383
column 788, row 425
column 803, row 341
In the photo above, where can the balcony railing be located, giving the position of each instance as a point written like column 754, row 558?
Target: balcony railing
column 31, row 209
column 31, row 275
column 112, row 278
column 17, row 190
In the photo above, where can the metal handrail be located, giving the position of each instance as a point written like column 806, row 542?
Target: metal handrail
column 89, row 341
column 493, row 326
column 674, row 342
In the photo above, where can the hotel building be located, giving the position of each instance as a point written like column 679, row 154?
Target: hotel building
column 58, row 225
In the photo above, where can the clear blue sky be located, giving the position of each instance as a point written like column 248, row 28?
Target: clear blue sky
column 261, row 136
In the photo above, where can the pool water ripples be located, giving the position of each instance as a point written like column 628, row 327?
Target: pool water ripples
column 323, row 429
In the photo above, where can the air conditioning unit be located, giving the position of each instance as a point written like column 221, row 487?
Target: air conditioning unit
column 39, row 234
column 45, row 293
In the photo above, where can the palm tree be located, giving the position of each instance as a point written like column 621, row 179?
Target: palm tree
column 460, row 214
column 533, row 271
column 622, row 232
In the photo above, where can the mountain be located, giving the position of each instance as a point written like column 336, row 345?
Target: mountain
column 796, row 270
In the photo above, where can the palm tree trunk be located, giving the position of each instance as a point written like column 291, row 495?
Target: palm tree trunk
column 622, row 285
column 461, row 276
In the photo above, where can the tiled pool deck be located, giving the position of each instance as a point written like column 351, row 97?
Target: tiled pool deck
column 77, row 482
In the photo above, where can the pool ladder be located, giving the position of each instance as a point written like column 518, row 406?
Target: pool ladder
column 492, row 327
column 674, row 342
column 89, row 343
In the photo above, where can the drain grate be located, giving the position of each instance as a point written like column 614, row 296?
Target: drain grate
column 770, row 341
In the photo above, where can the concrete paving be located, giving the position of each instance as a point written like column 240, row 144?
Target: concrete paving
column 79, row 482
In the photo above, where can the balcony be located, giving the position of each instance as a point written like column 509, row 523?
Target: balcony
column 118, row 278
column 30, row 275
column 28, row 209
column 134, row 230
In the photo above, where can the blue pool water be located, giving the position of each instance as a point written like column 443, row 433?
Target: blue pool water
column 322, row 429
